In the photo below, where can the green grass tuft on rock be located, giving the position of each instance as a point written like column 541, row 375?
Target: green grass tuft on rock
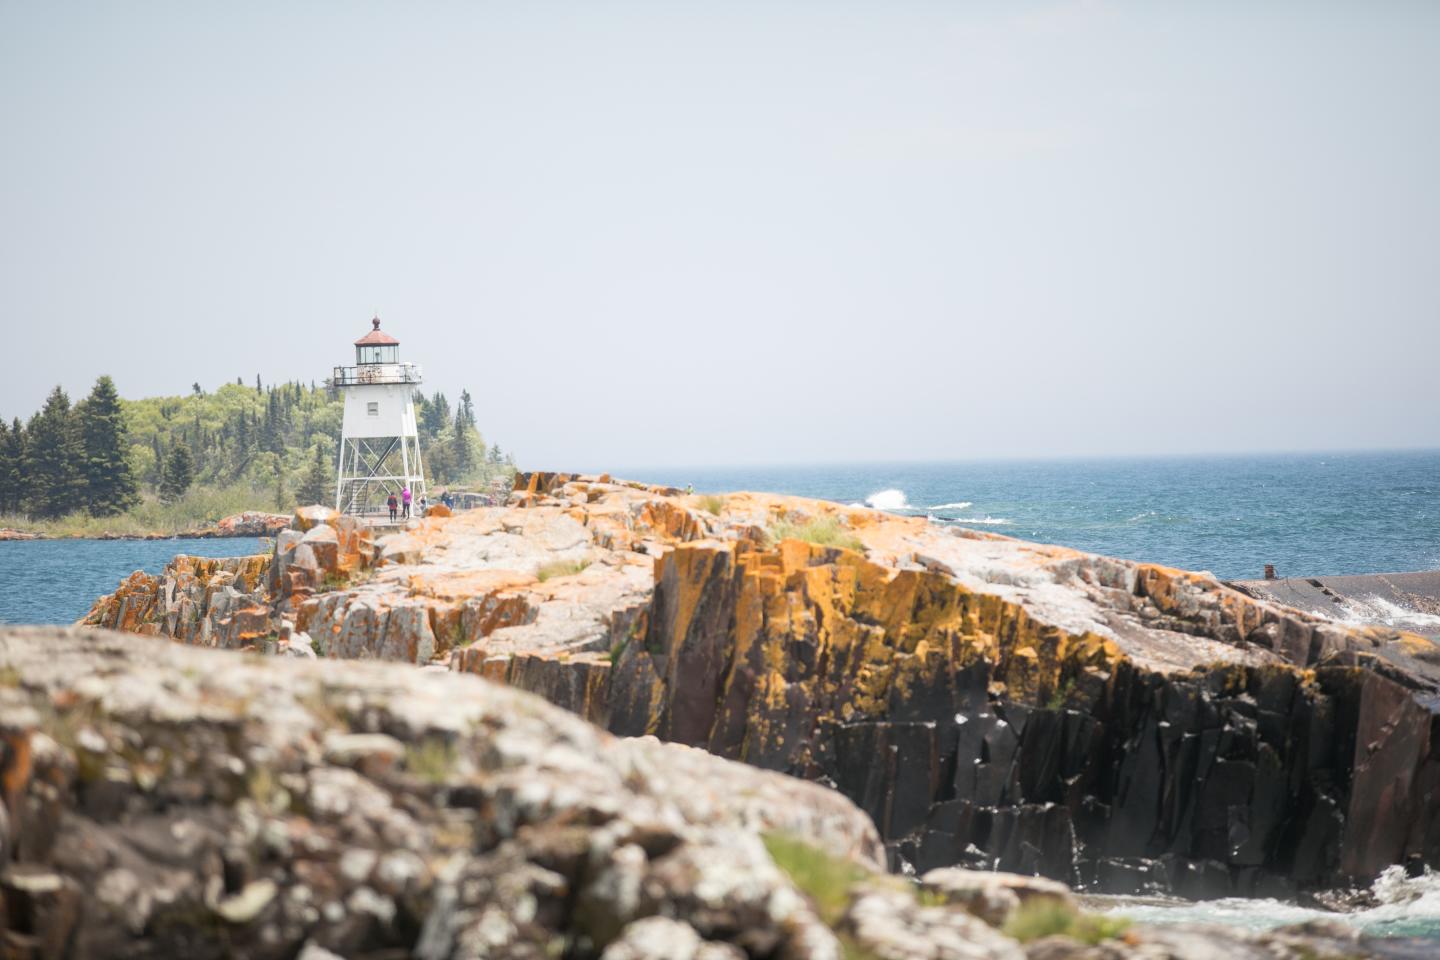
column 712, row 503
column 826, row 880
column 1045, row 918
column 560, row 568
column 822, row 531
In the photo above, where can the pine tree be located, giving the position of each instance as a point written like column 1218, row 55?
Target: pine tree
column 463, row 457
column 53, row 458
column 435, row 415
column 282, row 492
column 179, row 473
column 316, row 487
column 110, row 485
column 12, row 455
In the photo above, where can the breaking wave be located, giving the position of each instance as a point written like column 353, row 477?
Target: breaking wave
column 985, row 521
column 1400, row 906
column 957, row 505
column 1375, row 609
column 888, row 500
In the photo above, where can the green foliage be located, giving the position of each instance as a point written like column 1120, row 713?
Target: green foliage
column 12, row 465
column 1047, row 918
column 179, row 473
column 54, row 455
column 454, row 451
column 826, row 880
column 199, row 507
column 824, row 531
column 317, row 486
column 110, row 485
column 560, row 568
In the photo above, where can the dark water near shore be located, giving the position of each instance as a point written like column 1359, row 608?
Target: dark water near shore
column 56, row 581
column 1308, row 514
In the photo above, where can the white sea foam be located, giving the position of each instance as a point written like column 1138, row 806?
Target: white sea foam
column 957, row 505
column 888, row 500
column 1404, row 906
column 1375, row 609
column 986, row 521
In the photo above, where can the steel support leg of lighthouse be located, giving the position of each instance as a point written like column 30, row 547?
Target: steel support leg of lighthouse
column 371, row 468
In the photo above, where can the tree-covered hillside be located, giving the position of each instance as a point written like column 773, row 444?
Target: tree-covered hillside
column 171, row 462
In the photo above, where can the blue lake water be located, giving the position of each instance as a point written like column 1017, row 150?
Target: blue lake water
column 1309, row 514
column 56, row 581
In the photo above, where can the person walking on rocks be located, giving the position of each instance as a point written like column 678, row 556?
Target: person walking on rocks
column 405, row 500
column 393, row 504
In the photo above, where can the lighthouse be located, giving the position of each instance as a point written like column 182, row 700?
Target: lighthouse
column 379, row 444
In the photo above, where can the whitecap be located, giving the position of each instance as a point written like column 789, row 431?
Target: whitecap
column 1360, row 611
column 1404, row 906
column 987, row 521
column 888, row 500
column 957, row 505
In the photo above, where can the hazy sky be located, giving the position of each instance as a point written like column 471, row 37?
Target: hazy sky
column 705, row 233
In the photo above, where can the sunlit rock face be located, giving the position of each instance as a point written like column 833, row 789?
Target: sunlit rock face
column 989, row 702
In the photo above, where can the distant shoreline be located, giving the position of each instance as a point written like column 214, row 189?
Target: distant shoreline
column 250, row 524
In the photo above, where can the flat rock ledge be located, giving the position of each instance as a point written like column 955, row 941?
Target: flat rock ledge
column 1121, row 727
column 163, row 801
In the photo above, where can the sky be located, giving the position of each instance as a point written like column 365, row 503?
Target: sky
column 745, row 233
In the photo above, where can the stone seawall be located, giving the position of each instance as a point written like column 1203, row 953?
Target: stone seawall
column 1122, row 726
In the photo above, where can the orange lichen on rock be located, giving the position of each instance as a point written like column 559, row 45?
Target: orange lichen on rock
column 988, row 701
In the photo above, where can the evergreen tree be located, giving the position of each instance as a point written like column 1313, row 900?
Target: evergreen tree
column 12, row 456
column 436, row 416
column 282, row 492
column 467, row 408
column 53, row 457
column 179, row 473
column 316, row 487
column 463, row 456
column 258, row 391
column 110, row 485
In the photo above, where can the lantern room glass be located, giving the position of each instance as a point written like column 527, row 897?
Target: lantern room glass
column 373, row 353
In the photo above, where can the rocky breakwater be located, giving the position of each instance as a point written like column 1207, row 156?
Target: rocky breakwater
column 161, row 801
column 989, row 702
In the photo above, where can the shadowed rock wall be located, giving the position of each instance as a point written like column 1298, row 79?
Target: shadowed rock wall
column 974, row 734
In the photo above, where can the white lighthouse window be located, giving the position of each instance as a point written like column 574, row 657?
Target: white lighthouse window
column 373, row 408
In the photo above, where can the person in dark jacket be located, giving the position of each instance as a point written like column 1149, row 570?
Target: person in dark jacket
column 394, row 505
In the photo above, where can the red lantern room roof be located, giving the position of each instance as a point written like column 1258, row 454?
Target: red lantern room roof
column 376, row 337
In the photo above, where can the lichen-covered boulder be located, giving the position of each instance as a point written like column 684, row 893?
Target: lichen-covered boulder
column 164, row 801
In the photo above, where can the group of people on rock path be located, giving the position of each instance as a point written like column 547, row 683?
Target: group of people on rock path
column 401, row 504
column 399, row 507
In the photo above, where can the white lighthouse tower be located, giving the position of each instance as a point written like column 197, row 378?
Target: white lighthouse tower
column 379, row 445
